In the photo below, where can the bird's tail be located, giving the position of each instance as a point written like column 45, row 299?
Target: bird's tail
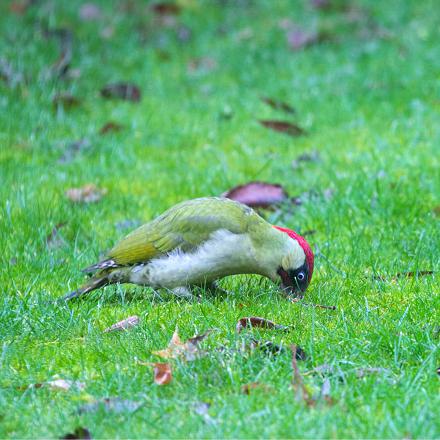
column 104, row 277
column 94, row 283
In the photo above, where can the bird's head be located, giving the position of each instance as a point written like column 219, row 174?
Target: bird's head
column 296, row 266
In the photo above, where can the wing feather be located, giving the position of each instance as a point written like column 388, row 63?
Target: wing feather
column 185, row 226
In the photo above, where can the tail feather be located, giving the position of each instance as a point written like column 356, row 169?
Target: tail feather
column 94, row 283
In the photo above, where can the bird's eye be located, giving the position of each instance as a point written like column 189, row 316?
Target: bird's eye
column 301, row 276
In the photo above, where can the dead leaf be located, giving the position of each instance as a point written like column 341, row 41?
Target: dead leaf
column 249, row 387
column 89, row 12
column 166, row 8
column 113, row 404
column 283, row 127
column 121, row 90
column 73, row 149
column 110, row 127
column 278, row 105
column 89, row 193
column 65, row 100
column 368, row 371
column 125, row 324
column 436, row 211
column 257, row 194
column 188, row 350
column 301, row 392
column 298, row 38
column 256, row 321
column 162, row 373
column 54, row 240
column 80, row 433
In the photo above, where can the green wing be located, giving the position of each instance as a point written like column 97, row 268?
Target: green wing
column 185, row 226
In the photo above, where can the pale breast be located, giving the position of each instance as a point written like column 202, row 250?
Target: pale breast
column 223, row 254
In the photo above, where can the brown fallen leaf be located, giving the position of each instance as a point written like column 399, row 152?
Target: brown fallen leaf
column 110, row 127
column 257, row 194
column 301, row 392
column 249, row 387
column 162, row 373
column 111, row 404
column 89, row 193
column 54, row 240
column 121, row 90
column 283, row 127
column 125, row 324
column 89, row 12
column 256, row 321
column 188, row 350
column 278, row 105
column 80, row 433
column 436, row 210
column 65, row 100
column 166, row 8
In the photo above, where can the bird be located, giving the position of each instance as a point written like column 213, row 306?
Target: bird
column 196, row 243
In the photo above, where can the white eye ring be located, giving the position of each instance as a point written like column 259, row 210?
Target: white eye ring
column 301, row 276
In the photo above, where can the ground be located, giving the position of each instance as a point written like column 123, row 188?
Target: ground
column 366, row 92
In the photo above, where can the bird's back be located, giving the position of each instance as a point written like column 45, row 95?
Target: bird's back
column 186, row 225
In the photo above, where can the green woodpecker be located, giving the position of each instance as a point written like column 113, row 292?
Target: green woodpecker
column 200, row 241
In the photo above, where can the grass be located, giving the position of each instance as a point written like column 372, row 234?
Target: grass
column 369, row 100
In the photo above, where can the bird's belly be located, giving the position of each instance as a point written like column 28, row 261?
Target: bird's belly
column 223, row 254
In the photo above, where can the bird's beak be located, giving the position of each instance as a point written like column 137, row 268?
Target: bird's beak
column 289, row 287
column 292, row 291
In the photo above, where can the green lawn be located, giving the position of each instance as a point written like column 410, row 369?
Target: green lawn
column 368, row 96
